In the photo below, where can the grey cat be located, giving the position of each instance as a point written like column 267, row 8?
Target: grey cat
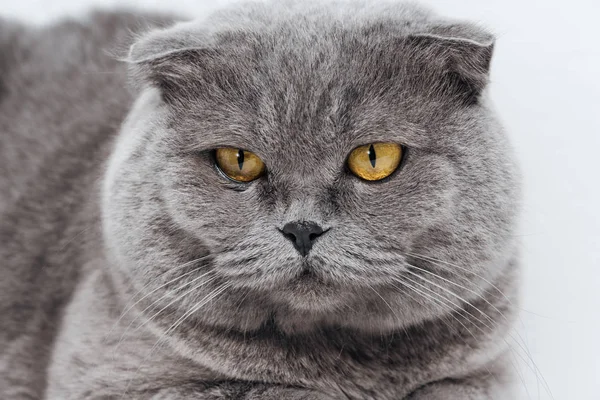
column 134, row 266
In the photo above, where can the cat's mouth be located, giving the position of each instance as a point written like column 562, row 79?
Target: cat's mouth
column 308, row 281
column 309, row 291
column 308, row 275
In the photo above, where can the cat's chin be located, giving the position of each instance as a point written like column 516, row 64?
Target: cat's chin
column 308, row 293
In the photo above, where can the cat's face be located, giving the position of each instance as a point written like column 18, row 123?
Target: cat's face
column 196, row 242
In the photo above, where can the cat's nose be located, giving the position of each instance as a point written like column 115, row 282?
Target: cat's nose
column 303, row 234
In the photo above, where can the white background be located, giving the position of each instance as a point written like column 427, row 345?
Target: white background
column 545, row 81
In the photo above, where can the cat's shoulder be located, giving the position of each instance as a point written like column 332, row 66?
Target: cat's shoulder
column 98, row 37
column 62, row 85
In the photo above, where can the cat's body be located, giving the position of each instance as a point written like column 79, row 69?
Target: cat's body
column 95, row 216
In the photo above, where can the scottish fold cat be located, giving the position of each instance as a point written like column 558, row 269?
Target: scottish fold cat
column 283, row 200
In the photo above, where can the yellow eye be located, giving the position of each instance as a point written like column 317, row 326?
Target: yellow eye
column 240, row 165
column 373, row 162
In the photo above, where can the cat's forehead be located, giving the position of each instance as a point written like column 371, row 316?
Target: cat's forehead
column 299, row 81
column 302, row 117
column 315, row 101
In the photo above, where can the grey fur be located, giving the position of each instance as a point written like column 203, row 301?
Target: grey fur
column 110, row 203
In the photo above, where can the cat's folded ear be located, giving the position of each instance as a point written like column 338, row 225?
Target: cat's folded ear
column 167, row 58
column 454, row 58
column 443, row 59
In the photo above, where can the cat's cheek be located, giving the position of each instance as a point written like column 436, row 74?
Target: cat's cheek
column 209, row 211
column 422, row 194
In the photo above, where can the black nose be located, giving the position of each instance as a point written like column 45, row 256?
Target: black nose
column 303, row 234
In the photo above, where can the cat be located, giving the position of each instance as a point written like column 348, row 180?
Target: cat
column 283, row 200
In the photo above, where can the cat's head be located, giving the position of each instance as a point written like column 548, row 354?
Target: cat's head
column 294, row 232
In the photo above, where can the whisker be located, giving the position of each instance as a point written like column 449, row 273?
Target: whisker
column 197, row 307
column 464, row 326
column 171, row 270
column 241, row 301
column 440, row 262
column 72, row 239
column 527, row 360
column 435, row 300
column 174, row 326
column 175, row 300
column 455, row 295
column 419, row 301
column 522, row 344
column 525, row 348
column 460, row 286
column 386, row 303
column 126, row 331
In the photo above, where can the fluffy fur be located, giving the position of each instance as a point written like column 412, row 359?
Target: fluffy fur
column 132, row 269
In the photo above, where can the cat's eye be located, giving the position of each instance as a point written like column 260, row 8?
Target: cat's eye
column 373, row 162
column 238, row 164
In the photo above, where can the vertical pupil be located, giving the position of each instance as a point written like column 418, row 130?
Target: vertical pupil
column 372, row 155
column 240, row 158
